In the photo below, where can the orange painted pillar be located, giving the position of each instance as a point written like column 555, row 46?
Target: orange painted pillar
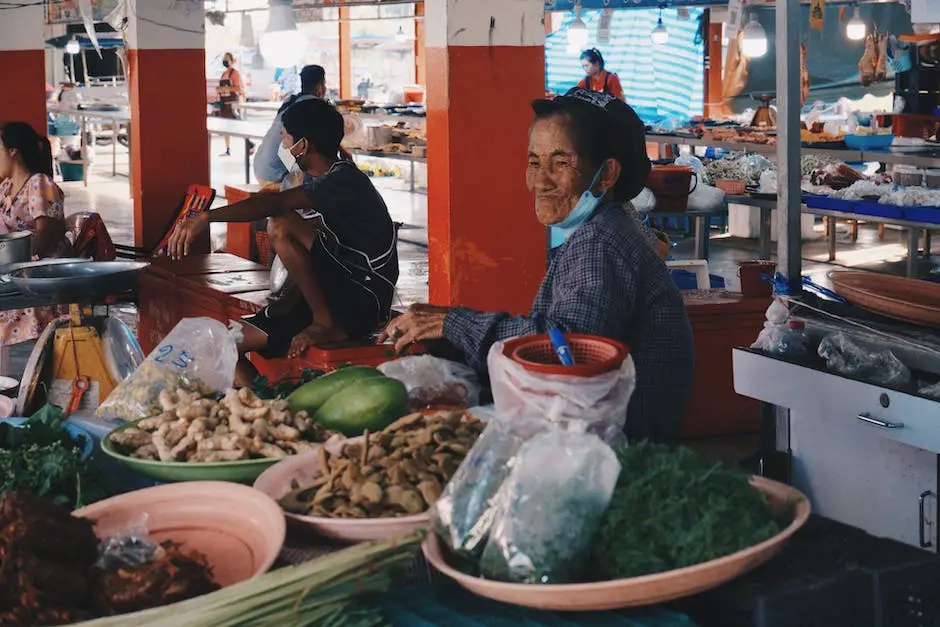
column 485, row 65
column 23, row 66
column 714, row 96
column 345, row 54
column 169, row 141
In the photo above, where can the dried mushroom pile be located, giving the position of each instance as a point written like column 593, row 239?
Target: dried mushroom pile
column 400, row 471
column 239, row 426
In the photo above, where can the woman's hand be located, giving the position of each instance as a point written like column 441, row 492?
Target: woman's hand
column 420, row 322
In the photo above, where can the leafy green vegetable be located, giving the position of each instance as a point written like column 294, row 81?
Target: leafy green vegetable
column 672, row 509
column 264, row 389
column 42, row 457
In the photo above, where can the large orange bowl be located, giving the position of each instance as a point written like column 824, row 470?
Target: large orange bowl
column 637, row 591
column 238, row 529
column 303, row 469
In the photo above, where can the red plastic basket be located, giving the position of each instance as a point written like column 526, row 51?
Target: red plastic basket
column 593, row 355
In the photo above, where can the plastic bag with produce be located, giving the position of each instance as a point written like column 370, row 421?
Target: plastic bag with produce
column 463, row 514
column 600, row 401
column 198, row 355
column 844, row 356
column 550, row 507
column 432, row 381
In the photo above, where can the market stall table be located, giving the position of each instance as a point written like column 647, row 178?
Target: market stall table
column 702, row 220
column 115, row 117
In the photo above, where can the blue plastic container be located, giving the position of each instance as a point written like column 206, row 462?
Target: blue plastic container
column 75, row 432
column 923, row 214
column 833, row 204
column 870, row 208
column 868, row 142
column 72, row 171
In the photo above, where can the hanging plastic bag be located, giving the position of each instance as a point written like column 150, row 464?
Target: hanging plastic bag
column 199, row 355
column 772, row 335
column 464, row 513
column 600, row 401
column 432, row 381
column 844, row 356
column 549, row 508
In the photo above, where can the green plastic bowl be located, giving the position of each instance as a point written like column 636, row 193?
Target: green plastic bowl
column 242, row 471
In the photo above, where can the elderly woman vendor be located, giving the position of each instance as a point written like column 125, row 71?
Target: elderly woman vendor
column 587, row 160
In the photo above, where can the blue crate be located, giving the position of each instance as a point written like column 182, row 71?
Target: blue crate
column 923, row 214
column 72, row 171
column 870, row 208
column 686, row 280
column 833, row 204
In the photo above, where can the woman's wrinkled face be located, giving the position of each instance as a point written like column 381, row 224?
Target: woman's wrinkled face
column 591, row 69
column 556, row 174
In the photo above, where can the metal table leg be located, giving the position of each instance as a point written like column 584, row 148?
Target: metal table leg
column 247, row 161
column 412, row 176
column 701, row 236
column 832, row 238
column 114, row 135
column 913, row 242
column 764, row 233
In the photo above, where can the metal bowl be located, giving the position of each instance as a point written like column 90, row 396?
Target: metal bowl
column 81, row 281
column 15, row 247
column 6, row 285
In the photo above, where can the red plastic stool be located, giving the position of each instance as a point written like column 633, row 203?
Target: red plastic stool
column 327, row 357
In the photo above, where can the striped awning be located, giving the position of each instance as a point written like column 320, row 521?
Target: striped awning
column 659, row 81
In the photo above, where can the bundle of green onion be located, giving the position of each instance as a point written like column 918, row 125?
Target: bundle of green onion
column 323, row 591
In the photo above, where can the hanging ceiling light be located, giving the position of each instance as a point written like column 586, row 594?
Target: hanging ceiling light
column 400, row 36
column 754, row 39
column 577, row 30
column 72, row 46
column 855, row 28
column 660, row 35
column 282, row 44
column 247, row 38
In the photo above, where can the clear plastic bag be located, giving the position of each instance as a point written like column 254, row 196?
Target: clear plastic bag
column 844, row 356
column 130, row 547
column 600, row 401
column 199, row 355
column 549, row 509
column 432, row 381
column 754, row 165
column 774, row 333
column 464, row 513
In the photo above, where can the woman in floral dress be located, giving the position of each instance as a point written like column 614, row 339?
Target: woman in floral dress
column 29, row 201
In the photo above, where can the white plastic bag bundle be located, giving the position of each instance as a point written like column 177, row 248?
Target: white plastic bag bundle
column 434, row 381
column 549, row 508
column 198, row 355
column 600, row 401
column 773, row 335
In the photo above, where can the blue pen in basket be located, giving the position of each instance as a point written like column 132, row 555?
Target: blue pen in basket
column 561, row 347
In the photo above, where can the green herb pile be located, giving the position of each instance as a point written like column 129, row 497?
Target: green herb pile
column 266, row 390
column 41, row 457
column 672, row 509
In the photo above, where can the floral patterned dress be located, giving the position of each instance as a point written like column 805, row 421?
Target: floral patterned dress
column 19, row 210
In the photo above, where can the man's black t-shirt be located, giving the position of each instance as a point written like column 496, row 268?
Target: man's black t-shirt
column 354, row 257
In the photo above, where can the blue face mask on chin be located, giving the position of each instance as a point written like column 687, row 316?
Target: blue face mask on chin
column 588, row 202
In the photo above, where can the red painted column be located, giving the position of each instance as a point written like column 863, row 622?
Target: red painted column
column 485, row 65
column 23, row 66
column 169, row 142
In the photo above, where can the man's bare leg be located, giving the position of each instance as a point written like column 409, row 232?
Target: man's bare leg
column 254, row 340
column 293, row 237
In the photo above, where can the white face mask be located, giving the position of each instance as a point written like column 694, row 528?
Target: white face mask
column 288, row 159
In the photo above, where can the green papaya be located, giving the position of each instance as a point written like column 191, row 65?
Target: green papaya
column 371, row 404
column 311, row 396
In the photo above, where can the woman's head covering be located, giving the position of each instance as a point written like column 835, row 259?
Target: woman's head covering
column 605, row 127
column 319, row 122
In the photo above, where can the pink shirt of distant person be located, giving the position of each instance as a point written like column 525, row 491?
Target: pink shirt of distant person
column 40, row 197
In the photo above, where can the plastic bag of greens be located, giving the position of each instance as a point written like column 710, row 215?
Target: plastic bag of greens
column 198, row 355
column 550, row 507
column 463, row 514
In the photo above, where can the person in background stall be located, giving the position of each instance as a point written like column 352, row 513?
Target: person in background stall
column 598, row 78
column 29, row 201
column 587, row 160
column 231, row 91
column 272, row 161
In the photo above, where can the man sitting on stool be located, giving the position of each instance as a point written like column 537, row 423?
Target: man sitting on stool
column 344, row 261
